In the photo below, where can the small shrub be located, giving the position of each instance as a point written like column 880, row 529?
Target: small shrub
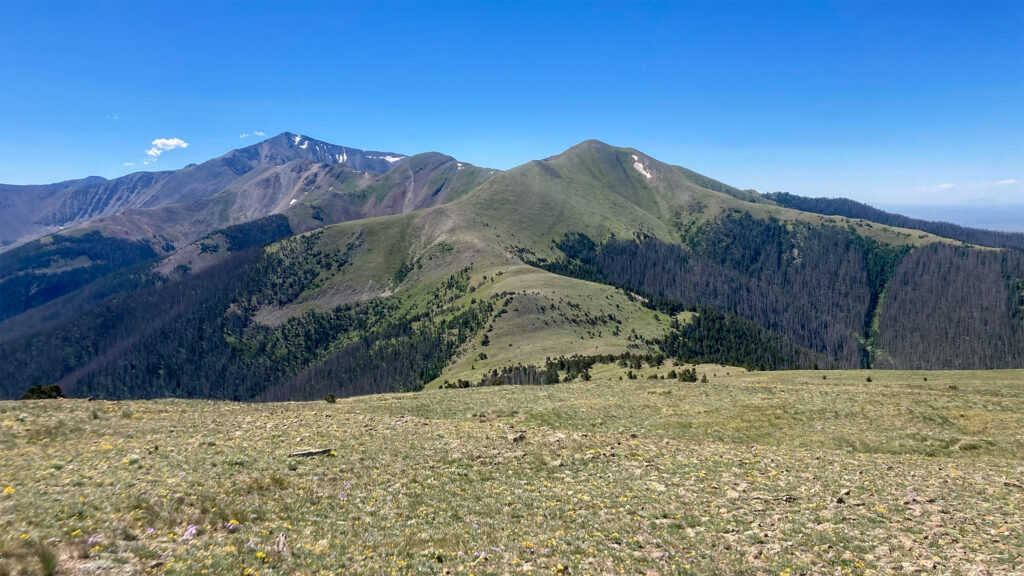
column 868, row 379
column 330, row 398
column 40, row 392
column 688, row 375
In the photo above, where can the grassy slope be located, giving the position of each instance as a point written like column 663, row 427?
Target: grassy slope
column 591, row 188
column 547, row 317
column 739, row 476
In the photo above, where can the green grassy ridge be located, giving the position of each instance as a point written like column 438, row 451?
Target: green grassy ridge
column 788, row 472
column 547, row 316
column 593, row 188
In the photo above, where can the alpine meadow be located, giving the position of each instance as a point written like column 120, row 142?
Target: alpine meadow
column 266, row 353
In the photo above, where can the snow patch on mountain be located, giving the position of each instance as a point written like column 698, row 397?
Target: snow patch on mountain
column 640, row 167
column 391, row 159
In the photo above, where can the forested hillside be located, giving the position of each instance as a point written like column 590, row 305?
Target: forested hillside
column 955, row 308
column 197, row 337
column 817, row 286
column 823, row 289
column 34, row 274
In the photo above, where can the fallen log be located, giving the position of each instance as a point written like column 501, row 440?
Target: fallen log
column 307, row 453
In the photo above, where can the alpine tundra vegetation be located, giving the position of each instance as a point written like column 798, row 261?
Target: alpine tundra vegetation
column 792, row 472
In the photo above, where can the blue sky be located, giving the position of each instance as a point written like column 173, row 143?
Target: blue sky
column 903, row 103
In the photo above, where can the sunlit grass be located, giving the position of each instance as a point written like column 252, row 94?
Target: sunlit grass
column 785, row 472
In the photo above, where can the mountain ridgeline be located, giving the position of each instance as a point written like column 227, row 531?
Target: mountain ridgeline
column 318, row 269
column 27, row 212
column 853, row 209
column 115, row 224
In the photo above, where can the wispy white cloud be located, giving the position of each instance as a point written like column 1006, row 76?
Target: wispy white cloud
column 969, row 186
column 110, row 117
column 245, row 135
column 161, row 145
column 254, row 133
column 128, row 164
column 259, row 133
column 937, row 187
column 1008, row 190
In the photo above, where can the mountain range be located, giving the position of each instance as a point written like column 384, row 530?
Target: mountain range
column 294, row 268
